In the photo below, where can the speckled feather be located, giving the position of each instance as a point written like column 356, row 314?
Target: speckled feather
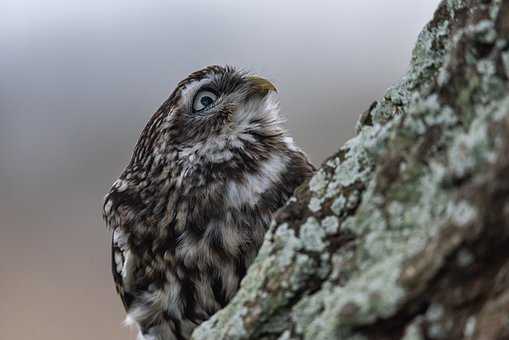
column 189, row 212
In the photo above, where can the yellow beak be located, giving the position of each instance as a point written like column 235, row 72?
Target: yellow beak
column 261, row 85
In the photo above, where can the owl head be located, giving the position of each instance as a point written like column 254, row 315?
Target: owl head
column 214, row 104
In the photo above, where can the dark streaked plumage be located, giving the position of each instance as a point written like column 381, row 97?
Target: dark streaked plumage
column 190, row 210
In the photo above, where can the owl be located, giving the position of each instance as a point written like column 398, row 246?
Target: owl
column 189, row 212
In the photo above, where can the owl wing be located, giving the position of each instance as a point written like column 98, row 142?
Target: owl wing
column 122, row 264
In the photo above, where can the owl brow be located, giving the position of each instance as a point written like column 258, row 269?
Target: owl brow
column 228, row 81
column 208, row 87
column 195, row 76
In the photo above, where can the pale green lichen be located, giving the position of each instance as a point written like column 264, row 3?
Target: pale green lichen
column 505, row 60
column 312, row 235
column 485, row 29
column 426, row 59
column 366, row 297
column 453, row 6
column 494, row 10
column 355, row 167
column 285, row 336
column 288, row 244
column 486, row 67
column 461, row 213
column 315, row 204
column 435, row 312
column 330, row 225
column 306, row 310
column 318, row 183
column 470, row 326
column 413, row 331
column 338, row 205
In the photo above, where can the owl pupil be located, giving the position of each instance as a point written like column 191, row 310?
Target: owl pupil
column 206, row 101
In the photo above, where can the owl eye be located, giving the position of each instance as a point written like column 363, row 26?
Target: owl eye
column 203, row 100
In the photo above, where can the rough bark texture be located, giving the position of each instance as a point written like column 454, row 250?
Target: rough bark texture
column 404, row 232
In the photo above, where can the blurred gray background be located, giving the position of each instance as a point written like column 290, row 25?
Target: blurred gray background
column 78, row 81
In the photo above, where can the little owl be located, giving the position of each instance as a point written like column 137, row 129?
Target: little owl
column 190, row 210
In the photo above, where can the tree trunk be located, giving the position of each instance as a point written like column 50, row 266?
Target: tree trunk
column 404, row 232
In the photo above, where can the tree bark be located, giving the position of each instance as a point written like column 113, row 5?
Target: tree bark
column 404, row 232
